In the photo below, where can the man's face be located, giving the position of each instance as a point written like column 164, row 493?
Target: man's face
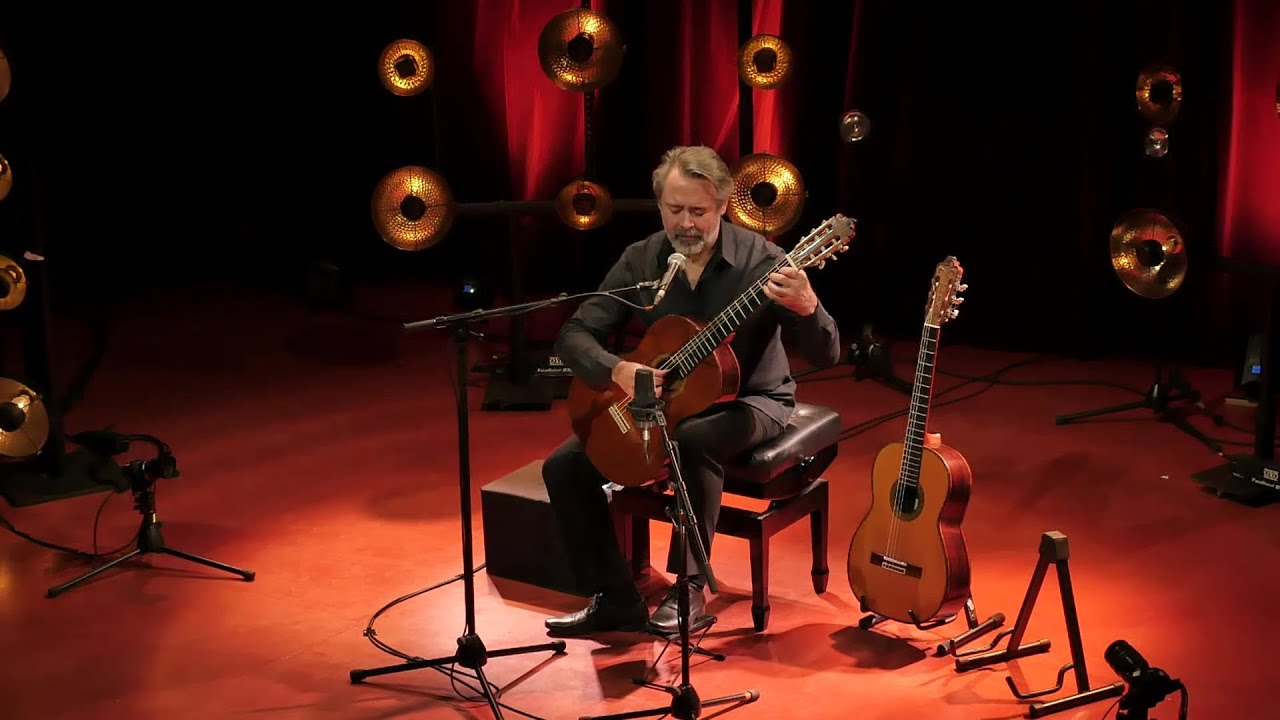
column 690, row 213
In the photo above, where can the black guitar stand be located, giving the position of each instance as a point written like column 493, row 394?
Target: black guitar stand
column 142, row 475
column 950, row 646
column 685, row 703
column 1053, row 551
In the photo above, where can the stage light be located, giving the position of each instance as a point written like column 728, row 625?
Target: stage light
column 584, row 205
column 1148, row 686
column 406, row 67
column 768, row 194
column 764, row 62
column 6, row 178
column 412, row 208
column 6, row 76
column 1148, row 253
column 580, row 50
column 1157, row 142
column 13, row 284
column 854, row 126
column 24, row 421
column 1159, row 93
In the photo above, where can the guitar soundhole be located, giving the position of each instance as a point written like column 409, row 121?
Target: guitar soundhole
column 907, row 499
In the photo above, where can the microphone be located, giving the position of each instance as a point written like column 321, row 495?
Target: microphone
column 644, row 406
column 675, row 263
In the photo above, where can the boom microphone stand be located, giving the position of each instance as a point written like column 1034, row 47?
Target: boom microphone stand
column 472, row 654
column 646, row 409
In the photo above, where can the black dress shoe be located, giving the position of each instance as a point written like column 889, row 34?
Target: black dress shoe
column 666, row 617
column 600, row 615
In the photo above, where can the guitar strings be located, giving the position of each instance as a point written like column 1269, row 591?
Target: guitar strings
column 917, row 408
column 701, row 338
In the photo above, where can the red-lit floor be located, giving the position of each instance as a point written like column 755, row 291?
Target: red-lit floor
column 320, row 453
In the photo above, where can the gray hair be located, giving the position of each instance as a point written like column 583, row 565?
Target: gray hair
column 694, row 161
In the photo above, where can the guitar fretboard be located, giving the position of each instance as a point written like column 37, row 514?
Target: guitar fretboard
column 700, row 346
column 918, row 416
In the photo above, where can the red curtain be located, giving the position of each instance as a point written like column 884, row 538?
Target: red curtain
column 1249, row 218
column 542, row 125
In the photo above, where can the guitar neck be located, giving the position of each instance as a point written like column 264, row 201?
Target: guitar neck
column 918, row 416
column 700, row 346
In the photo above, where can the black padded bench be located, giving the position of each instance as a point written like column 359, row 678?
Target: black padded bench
column 786, row 471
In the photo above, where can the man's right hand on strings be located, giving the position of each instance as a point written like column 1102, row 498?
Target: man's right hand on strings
column 624, row 374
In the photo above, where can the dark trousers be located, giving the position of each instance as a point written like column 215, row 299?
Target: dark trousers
column 576, row 491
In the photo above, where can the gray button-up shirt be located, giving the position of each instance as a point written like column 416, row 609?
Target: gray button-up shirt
column 739, row 260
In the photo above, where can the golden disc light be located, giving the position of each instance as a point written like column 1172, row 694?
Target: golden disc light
column 13, row 284
column 584, row 205
column 22, row 409
column 6, row 178
column 854, row 126
column 1159, row 93
column 406, row 67
column 1148, row 253
column 412, row 208
column 6, row 76
column 580, row 50
column 764, row 62
column 768, row 194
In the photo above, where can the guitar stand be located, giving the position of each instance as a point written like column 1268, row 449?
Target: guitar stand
column 150, row 540
column 950, row 646
column 1053, row 550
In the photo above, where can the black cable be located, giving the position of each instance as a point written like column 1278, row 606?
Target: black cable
column 456, row 385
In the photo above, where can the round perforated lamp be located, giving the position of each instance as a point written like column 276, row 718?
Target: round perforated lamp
column 1148, row 253
column 6, row 76
column 854, row 126
column 764, row 62
column 13, row 284
column 1159, row 93
column 584, row 205
column 6, row 178
column 412, row 208
column 580, row 50
column 24, row 421
column 768, row 194
column 406, row 67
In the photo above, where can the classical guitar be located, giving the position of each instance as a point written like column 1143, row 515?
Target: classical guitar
column 701, row 370
column 907, row 559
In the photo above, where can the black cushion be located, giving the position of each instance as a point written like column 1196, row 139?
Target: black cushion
column 813, row 429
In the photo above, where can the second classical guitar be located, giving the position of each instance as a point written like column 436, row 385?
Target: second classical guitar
column 702, row 370
column 908, row 560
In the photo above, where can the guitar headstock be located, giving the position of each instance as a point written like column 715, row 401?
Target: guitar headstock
column 944, row 296
column 823, row 242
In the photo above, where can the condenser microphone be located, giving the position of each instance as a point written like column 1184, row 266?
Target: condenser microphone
column 675, row 263
column 645, row 406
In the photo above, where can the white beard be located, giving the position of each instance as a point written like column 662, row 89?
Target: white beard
column 688, row 246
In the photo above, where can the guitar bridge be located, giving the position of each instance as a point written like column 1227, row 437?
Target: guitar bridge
column 620, row 419
column 896, row 566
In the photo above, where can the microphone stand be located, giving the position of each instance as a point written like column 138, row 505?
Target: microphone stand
column 472, row 653
column 685, row 704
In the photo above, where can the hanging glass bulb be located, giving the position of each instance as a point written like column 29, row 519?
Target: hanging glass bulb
column 1157, row 142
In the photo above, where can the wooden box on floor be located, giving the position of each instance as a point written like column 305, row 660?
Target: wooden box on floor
column 520, row 538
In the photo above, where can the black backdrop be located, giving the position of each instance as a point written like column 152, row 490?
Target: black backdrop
column 234, row 148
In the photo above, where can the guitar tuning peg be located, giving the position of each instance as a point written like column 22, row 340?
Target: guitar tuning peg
column 954, row 312
column 959, row 300
column 962, row 288
column 822, row 264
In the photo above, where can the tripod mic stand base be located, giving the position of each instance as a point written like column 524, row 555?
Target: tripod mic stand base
column 471, row 654
column 685, row 705
column 150, row 541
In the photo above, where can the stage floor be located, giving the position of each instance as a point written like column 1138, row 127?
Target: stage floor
column 319, row 451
